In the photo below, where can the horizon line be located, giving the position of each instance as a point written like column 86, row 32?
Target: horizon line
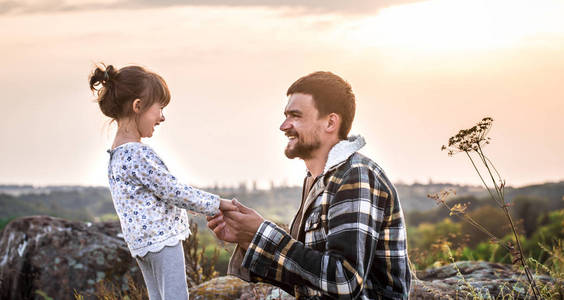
column 274, row 186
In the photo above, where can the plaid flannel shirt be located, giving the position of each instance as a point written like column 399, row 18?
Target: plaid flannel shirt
column 352, row 242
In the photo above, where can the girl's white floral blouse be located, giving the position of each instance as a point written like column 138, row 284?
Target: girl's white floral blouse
column 149, row 200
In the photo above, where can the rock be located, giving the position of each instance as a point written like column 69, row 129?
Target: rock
column 481, row 278
column 53, row 257
column 229, row 287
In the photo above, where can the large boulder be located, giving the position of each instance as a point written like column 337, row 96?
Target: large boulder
column 229, row 287
column 474, row 280
column 461, row 280
column 43, row 256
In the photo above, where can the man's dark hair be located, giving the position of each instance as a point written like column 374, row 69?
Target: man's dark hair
column 331, row 94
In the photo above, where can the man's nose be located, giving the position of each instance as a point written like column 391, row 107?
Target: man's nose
column 285, row 125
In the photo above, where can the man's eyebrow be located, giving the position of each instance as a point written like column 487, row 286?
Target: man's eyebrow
column 293, row 112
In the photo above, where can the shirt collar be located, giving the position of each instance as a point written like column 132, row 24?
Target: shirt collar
column 343, row 150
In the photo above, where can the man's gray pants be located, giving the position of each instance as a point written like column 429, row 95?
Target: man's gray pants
column 164, row 273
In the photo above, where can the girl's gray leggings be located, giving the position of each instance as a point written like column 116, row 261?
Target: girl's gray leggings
column 164, row 273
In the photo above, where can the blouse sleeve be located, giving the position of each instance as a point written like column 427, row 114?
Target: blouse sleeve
column 152, row 173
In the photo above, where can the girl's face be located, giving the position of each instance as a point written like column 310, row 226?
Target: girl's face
column 149, row 119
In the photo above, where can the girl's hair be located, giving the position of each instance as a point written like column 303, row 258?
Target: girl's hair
column 116, row 89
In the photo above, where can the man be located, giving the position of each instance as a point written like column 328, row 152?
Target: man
column 348, row 238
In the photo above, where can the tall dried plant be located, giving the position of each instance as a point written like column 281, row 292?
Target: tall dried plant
column 471, row 142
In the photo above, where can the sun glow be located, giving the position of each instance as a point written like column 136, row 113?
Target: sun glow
column 448, row 25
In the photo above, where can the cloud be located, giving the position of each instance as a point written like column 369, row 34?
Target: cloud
column 303, row 7
column 45, row 6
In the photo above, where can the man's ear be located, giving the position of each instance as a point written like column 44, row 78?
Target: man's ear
column 333, row 123
column 136, row 106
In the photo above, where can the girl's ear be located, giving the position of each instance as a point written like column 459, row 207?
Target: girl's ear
column 136, row 106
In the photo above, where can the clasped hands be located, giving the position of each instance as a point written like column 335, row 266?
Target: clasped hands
column 235, row 223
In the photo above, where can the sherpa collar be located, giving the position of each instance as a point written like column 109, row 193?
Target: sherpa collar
column 342, row 150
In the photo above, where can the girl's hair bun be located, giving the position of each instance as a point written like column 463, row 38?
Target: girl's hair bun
column 102, row 75
column 102, row 82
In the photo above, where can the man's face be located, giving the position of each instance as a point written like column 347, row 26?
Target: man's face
column 302, row 126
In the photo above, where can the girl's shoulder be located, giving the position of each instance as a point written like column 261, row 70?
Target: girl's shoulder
column 129, row 146
column 132, row 155
column 133, row 150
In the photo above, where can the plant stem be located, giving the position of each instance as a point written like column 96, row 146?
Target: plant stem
column 479, row 174
column 495, row 169
column 497, row 173
column 522, row 256
column 501, row 202
column 497, row 188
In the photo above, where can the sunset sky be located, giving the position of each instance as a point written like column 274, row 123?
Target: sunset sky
column 421, row 70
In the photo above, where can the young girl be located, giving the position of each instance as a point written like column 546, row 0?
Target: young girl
column 150, row 202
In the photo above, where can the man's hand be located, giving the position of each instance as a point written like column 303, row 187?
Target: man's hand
column 216, row 223
column 245, row 221
column 236, row 226
column 218, row 226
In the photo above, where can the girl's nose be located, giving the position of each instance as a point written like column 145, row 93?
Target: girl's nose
column 162, row 117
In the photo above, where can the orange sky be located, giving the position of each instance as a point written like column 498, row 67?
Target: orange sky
column 420, row 70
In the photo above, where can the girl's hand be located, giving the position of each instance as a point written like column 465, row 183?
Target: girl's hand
column 227, row 205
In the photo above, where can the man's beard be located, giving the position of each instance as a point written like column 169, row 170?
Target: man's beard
column 302, row 149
